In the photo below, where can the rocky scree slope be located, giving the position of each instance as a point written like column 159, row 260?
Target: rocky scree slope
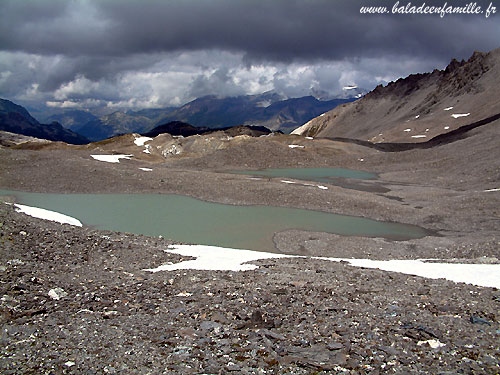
column 77, row 300
column 419, row 107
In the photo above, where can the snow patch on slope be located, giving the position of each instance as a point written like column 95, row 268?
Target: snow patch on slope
column 41, row 213
column 140, row 141
column 224, row 259
column 487, row 275
column 457, row 115
column 215, row 258
column 302, row 129
column 111, row 158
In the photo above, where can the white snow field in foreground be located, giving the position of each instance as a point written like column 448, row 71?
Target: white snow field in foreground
column 42, row 213
column 215, row 258
column 223, row 259
column 487, row 275
column 111, row 158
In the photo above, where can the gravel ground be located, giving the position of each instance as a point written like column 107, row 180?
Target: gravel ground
column 76, row 300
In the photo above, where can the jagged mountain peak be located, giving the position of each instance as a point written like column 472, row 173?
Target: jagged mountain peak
column 420, row 106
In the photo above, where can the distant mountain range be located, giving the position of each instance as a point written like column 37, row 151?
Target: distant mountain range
column 16, row 119
column 70, row 118
column 270, row 110
column 419, row 107
column 114, row 124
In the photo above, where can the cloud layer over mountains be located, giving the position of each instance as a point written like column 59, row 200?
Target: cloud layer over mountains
column 157, row 53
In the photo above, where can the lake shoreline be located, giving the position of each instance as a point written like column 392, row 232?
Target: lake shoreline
column 450, row 212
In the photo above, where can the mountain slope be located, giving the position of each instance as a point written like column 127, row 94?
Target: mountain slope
column 419, row 107
column 268, row 110
column 114, row 124
column 287, row 114
column 71, row 118
column 16, row 119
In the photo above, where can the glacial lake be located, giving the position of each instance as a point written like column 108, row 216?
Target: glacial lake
column 191, row 220
column 326, row 175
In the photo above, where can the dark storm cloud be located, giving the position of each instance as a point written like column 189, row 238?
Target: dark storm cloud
column 275, row 30
column 169, row 51
column 93, row 67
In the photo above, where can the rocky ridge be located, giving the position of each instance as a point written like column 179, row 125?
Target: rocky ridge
column 419, row 107
column 16, row 119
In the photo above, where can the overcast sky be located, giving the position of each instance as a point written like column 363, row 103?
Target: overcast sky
column 153, row 53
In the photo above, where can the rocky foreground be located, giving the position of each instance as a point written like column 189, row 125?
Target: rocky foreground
column 76, row 300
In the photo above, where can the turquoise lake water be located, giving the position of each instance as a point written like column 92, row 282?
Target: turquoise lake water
column 194, row 221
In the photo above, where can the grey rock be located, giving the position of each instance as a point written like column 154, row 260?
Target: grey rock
column 271, row 335
column 208, row 325
column 478, row 320
column 57, row 293
column 335, row 346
